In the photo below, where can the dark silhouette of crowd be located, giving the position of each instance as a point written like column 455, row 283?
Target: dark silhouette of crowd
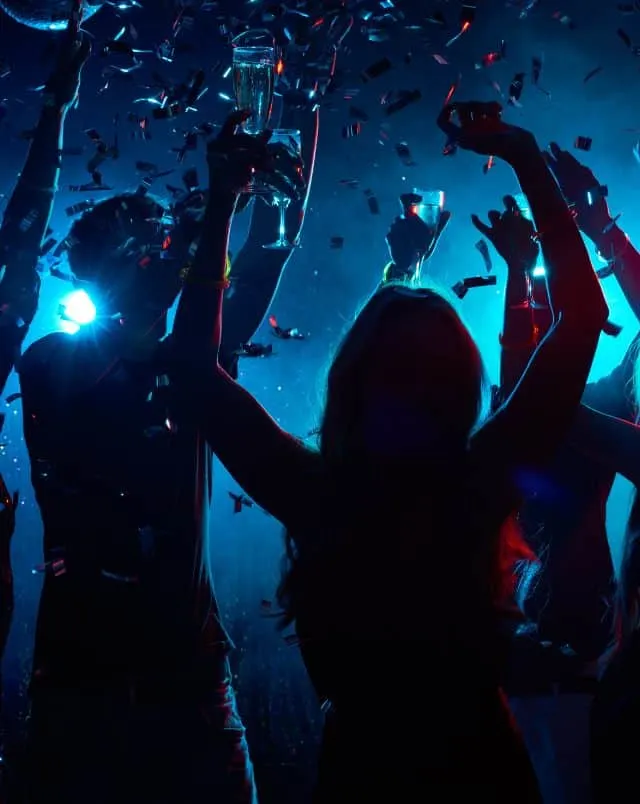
column 445, row 545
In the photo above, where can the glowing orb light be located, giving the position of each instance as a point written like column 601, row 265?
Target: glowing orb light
column 538, row 272
column 76, row 310
column 46, row 15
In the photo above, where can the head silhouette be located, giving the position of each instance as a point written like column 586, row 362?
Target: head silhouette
column 405, row 392
column 407, row 379
column 125, row 250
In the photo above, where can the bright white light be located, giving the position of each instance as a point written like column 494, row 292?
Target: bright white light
column 538, row 272
column 76, row 311
column 69, row 327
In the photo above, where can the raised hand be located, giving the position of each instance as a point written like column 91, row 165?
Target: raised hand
column 285, row 171
column 410, row 239
column 511, row 234
column 235, row 158
column 64, row 82
column 581, row 190
column 480, row 129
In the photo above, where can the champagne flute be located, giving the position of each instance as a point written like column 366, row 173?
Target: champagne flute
column 254, row 59
column 538, row 271
column 428, row 205
column 292, row 141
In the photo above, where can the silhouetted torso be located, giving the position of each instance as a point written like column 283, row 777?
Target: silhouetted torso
column 117, row 485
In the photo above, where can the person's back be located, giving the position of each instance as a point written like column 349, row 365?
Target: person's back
column 406, row 654
column 115, row 482
column 128, row 637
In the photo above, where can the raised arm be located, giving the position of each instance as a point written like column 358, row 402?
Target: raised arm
column 272, row 467
column 529, row 427
column 512, row 235
column 256, row 271
column 588, row 200
column 411, row 243
column 28, row 212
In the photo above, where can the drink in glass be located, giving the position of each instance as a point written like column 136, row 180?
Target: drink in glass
column 430, row 206
column 254, row 77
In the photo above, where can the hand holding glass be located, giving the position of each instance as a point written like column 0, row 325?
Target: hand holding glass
column 254, row 58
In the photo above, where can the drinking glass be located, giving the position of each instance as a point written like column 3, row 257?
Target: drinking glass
column 292, row 141
column 427, row 205
column 538, row 272
column 254, row 59
column 429, row 209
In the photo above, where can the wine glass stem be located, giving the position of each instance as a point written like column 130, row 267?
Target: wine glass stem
column 282, row 233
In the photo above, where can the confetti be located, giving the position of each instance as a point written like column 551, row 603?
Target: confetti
column 611, row 329
column 467, row 17
column 625, row 37
column 376, row 69
column 452, row 90
column 372, row 201
column 462, row 288
column 292, row 333
column 583, row 143
column 536, row 69
column 406, row 98
column 591, row 74
column 483, row 248
column 240, row 501
column 493, row 57
column 351, row 130
column 402, row 149
column 488, row 165
column 255, row 350
column 515, row 89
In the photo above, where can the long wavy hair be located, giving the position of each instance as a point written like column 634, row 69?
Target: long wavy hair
column 467, row 392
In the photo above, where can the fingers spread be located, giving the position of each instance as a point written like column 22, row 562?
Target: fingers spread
column 495, row 217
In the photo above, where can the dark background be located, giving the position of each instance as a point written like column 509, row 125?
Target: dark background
column 322, row 287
